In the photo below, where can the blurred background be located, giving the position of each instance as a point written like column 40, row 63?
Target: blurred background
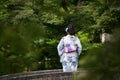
column 31, row 29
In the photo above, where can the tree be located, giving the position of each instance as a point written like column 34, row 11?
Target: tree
column 19, row 29
column 28, row 28
column 103, row 62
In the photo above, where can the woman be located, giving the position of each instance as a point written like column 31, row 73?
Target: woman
column 69, row 49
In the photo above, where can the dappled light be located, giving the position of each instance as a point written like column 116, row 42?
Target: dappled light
column 30, row 31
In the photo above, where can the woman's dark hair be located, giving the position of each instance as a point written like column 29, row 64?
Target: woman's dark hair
column 70, row 29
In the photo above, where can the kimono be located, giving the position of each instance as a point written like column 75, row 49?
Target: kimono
column 69, row 60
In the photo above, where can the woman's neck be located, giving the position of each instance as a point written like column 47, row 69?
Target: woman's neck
column 70, row 35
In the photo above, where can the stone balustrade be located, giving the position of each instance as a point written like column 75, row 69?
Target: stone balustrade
column 56, row 74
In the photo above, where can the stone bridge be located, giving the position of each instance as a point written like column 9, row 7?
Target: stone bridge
column 56, row 74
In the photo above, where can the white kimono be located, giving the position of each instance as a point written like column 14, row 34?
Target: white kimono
column 69, row 60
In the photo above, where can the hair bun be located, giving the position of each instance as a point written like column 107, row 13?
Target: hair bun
column 70, row 29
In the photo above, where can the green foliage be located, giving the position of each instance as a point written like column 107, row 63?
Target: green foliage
column 48, row 57
column 86, row 41
column 52, row 18
column 31, row 29
column 104, row 61
column 17, row 49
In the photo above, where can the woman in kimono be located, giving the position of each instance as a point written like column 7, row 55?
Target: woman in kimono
column 69, row 49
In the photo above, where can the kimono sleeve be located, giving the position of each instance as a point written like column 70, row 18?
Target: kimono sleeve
column 60, row 47
column 79, row 46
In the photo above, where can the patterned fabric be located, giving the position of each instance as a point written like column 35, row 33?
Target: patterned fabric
column 69, row 60
column 69, row 48
column 70, row 45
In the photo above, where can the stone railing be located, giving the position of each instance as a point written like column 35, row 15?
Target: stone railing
column 57, row 74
